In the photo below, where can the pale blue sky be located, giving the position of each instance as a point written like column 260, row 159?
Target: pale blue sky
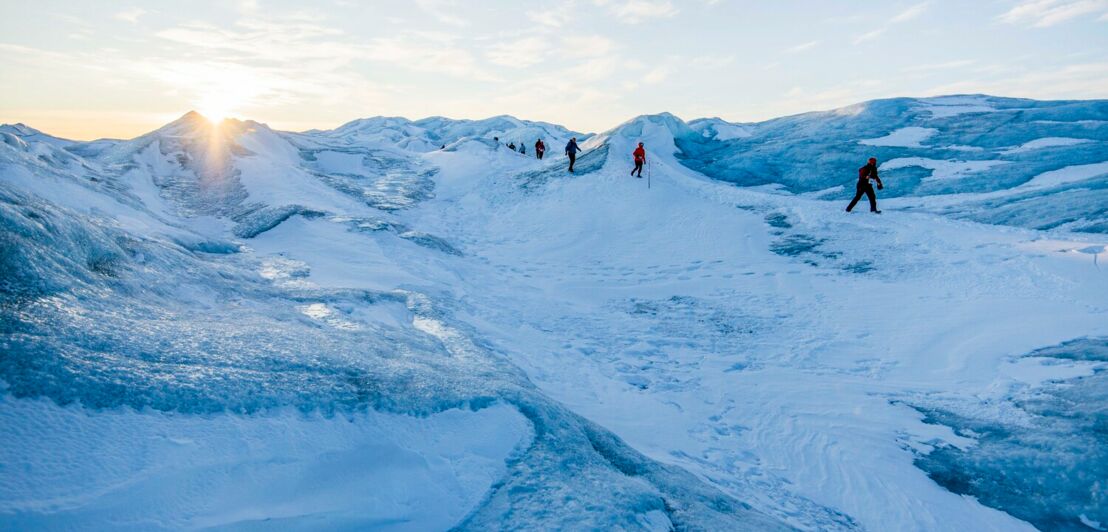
column 88, row 69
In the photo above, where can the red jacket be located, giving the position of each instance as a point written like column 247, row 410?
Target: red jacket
column 640, row 154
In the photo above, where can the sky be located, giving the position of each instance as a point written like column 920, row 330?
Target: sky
column 85, row 70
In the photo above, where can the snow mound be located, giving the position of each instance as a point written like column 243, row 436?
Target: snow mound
column 1047, row 142
column 905, row 137
column 719, row 129
column 659, row 134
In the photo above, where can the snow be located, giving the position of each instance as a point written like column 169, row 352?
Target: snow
column 941, row 169
column 329, row 331
column 1068, row 174
column 718, row 129
column 951, row 106
column 141, row 470
column 1046, row 142
column 905, row 137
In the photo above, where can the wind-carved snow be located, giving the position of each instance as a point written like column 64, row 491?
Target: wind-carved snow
column 1046, row 142
column 905, row 137
column 941, row 170
column 951, row 106
column 1065, row 175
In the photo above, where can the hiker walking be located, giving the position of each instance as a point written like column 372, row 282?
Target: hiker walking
column 640, row 159
column 571, row 152
column 540, row 149
column 512, row 145
column 522, row 148
column 865, row 174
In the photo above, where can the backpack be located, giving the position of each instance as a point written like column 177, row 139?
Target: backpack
column 863, row 173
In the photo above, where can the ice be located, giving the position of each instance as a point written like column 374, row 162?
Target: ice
column 150, row 336
column 719, row 129
column 1049, row 469
column 367, row 330
column 143, row 470
column 931, row 148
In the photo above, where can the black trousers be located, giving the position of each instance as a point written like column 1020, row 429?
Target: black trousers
column 538, row 154
column 638, row 168
column 864, row 187
column 572, row 159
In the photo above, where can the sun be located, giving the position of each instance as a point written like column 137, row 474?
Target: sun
column 215, row 108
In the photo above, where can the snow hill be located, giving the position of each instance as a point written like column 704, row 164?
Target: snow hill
column 228, row 326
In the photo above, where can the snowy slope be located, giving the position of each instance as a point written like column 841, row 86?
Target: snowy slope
column 204, row 287
column 370, row 334
column 797, row 358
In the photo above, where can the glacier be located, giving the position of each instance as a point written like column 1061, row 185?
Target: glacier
column 404, row 325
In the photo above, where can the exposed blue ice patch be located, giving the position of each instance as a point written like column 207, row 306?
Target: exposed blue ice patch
column 261, row 219
column 430, row 241
column 373, row 225
column 217, row 247
column 778, row 220
column 379, row 178
column 795, row 245
column 1046, row 461
column 587, row 163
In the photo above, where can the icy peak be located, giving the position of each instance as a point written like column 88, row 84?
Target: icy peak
column 658, row 132
column 19, row 129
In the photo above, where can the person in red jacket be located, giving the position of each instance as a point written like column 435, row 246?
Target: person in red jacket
column 640, row 159
column 540, row 148
column 865, row 174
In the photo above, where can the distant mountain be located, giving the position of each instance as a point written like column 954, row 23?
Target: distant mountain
column 997, row 160
column 432, row 133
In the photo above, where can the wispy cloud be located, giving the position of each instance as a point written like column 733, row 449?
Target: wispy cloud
column 1085, row 80
column 575, row 45
column 424, row 52
column 656, row 75
column 554, row 18
column 937, row 67
column 712, row 61
column 801, row 47
column 445, row 11
column 520, row 53
column 130, row 15
column 869, row 36
column 636, row 11
column 1046, row 13
column 912, row 12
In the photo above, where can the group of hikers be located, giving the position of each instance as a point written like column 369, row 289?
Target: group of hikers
column 867, row 175
column 639, row 155
column 571, row 151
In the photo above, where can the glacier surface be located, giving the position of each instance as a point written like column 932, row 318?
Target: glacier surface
column 404, row 325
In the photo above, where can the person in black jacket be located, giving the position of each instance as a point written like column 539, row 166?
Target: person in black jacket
column 865, row 174
column 571, row 152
